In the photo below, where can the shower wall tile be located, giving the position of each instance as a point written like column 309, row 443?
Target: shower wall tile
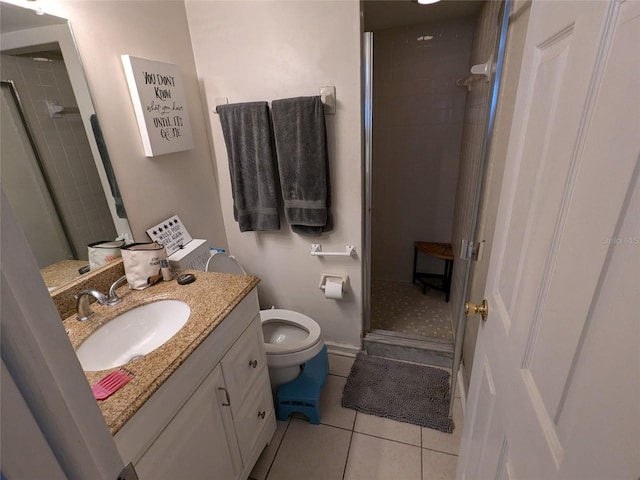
column 64, row 148
column 10, row 69
column 417, row 134
column 46, row 78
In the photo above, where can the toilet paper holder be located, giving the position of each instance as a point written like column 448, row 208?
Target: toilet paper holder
column 333, row 276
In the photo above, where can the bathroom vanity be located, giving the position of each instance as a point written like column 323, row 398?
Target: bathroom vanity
column 201, row 404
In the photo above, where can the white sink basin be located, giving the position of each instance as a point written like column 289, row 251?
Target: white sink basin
column 132, row 334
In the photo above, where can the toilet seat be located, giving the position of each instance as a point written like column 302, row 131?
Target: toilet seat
column 294, row 319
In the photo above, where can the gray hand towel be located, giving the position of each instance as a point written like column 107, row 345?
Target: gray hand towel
column 247, row 134
column 301, row 150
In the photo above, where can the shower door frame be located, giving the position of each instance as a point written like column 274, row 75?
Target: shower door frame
column 367, row 74
column 48, row 191
column 494, row 80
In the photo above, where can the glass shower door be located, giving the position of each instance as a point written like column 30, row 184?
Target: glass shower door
column 25, row 184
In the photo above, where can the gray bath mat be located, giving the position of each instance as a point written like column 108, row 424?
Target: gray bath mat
column 401, row 391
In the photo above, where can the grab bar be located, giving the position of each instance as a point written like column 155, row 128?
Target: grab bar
column 316, row 250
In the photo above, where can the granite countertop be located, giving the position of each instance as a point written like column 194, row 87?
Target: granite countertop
column 211, row 297
column 62, row 272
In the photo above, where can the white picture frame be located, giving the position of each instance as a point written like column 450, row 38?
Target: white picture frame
column 159, row 102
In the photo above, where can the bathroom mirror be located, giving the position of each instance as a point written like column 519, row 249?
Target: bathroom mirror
column 55, row 166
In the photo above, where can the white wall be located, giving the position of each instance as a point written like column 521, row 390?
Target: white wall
column 245, row 51
column 251, row 51
column 153, row 189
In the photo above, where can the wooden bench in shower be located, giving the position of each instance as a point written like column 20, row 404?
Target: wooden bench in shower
column 438, row 250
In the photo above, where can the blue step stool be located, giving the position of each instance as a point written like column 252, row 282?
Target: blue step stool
column 302, row 395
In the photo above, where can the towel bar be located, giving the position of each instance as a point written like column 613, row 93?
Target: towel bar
column 316, row 250
column 327, row 95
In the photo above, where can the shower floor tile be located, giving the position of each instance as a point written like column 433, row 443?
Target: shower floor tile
column 401, row 307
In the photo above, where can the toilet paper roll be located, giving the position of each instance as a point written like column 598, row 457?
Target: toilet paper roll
column 333, row 289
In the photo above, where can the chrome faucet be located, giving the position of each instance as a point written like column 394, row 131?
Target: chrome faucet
column 113, row 298
column 82, row 303
column 83, row 307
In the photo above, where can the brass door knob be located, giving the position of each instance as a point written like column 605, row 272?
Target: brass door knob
column 473, row 309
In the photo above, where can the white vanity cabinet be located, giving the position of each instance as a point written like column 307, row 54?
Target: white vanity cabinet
column 247, row 385
column 214, row 415
column 195, row 443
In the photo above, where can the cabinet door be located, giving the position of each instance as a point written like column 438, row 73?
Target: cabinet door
column 194, row 444
column 243, row 364
column 256, row 415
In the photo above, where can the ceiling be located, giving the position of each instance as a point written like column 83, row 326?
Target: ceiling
column 13, row 17
column 382, row 14
column 378, row 14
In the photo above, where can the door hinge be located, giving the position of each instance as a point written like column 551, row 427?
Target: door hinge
column 128, row 473
column 472, row 251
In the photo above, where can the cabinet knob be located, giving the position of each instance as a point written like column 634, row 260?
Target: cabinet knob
column 253, row 363
column 262, row 414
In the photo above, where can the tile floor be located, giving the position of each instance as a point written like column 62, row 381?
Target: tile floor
column 349, row 445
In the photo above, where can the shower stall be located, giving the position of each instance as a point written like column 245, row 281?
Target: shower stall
column 427, row 131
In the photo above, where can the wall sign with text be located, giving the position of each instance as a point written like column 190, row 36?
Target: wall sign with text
column 158, row 99
column 171, row 233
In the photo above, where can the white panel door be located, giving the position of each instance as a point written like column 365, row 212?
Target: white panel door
column 555, row 390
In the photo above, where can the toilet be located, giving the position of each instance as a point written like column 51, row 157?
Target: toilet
column 290, row 338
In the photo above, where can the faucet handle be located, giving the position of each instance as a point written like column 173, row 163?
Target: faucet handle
column 113, row 298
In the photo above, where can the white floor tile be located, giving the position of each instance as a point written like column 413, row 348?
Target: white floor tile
column 438, row 466
column 340, row 364
column 372, row 458
column 379, row 448
column 331, row 410
column 445, row 442
column 311, row 452
column 389, row 429
column 261, row 468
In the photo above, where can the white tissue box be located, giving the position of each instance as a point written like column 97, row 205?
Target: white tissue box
column 193, row 256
